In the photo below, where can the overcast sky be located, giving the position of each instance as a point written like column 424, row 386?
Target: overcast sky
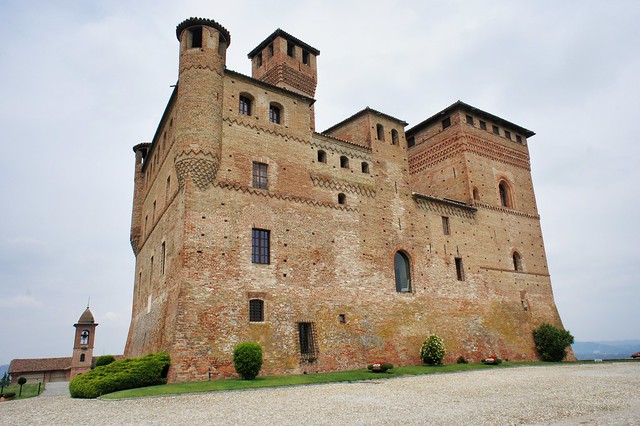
column 84, row 81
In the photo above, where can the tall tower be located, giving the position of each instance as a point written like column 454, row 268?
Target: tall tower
column 287, row 62
column 203, row 49
column 83, row 344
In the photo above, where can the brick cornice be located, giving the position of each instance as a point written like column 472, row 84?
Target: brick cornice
column 330, row 183
column 506, row 210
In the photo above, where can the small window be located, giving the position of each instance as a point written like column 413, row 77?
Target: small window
column 344, row 162
column 519, row 139
column 411, row 142
column 402, row 270
column 196, row 37
column 365, row 167
column 81, row 357
column 260, row 176
column 167, row 189
column 322, row 156
column 445, row 225
column 270, row 49
column 307, row 341
column 259, row 60
column 342, row 318
column 496, row 130
column 163, row 256
column 476, row 194
column 470, row 120
column 517, row 262
column 380, row 132
column 305, row 57
column 245, row 105
column 84, row 337
column 459, row 269
column 394, row 137
column 256, row 310
column 446, row 123
column 483, row 125
column 505, row 195
column 260, row 247
column 291, row 51
column 507, row 134
column 274, row 114
column 342, row 199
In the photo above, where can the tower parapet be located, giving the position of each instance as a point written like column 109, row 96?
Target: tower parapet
column 203, row 47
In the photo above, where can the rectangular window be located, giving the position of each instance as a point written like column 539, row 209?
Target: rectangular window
column 256, row 310
column 163, row 256
column 483, row 125
column 291, row 49
column 306, row 338
column 446, row 123
column 260, row 246
column 305, row 57
column 196, row 37
column 260, row 175
column 270, row 49
column 411, row 141
column 259, row 60
column 470, row 119
column 507, row 134
column 244, row 106
column 445, row 225
column 518, row 139
column 496, row 131
column 459, row 269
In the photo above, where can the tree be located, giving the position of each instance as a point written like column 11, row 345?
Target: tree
column 4, row 382
column 551, row 342
column 21, row 381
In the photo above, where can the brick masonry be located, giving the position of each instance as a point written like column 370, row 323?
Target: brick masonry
column 331, row 263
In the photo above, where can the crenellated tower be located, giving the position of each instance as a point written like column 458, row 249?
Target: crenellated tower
column 198, row 133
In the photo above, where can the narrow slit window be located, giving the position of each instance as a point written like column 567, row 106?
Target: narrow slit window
column 459, row 269
column 394, row 137
column 445, row 225
column 517, row 262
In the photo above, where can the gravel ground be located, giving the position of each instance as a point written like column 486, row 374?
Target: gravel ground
column 602, row 394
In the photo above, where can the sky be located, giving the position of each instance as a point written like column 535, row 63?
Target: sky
column 82, row 82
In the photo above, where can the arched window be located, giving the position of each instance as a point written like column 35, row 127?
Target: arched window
column 402, row 269
column 275, row 114
column 84, row 337
column 256, row 310
column 505, row 195
column 344, row 162
column 322, row 156
column 81, row 357
column 365, row 167
column 245, row 105
column 517, row 262
column 342, row 199
column 394, row 137
column 380, row 132
column 476, row 194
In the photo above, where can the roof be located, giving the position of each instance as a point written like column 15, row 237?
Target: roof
column 367, row 110
column 191, row 22
column 466, row 107
column 39, row 364
column 285, row 35
column 86, row 317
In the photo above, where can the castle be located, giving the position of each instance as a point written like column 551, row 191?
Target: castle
column 331, row 249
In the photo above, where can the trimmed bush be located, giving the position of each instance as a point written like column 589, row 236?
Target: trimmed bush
column 432, row 351
column 9, row 395
column 380, row 367
column 551, row 342
column 128, row 373
column 247, row 360
column 462, row 360
column 104, row 360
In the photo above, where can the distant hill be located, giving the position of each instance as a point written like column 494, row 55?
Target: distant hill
column 619, row 349
column 3, row 368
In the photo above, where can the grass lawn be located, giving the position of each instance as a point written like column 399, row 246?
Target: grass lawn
column 29, row 390
column 303, row 379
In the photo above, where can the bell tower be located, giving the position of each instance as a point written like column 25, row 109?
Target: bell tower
column 83, row 344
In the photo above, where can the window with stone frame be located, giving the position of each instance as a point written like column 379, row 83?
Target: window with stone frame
column 256, row 310
column 260, row 246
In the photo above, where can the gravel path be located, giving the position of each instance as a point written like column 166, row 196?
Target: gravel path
column 589, row 394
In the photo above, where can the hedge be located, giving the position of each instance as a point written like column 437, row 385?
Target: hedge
column 128, row 373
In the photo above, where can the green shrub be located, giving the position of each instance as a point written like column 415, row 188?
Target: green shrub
column 432, row 351
column 247, row 360
column 551, row 342
column 119, row 375
column 462, row 360
column 104, row 360
column 9, row 395
column 22, row 380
